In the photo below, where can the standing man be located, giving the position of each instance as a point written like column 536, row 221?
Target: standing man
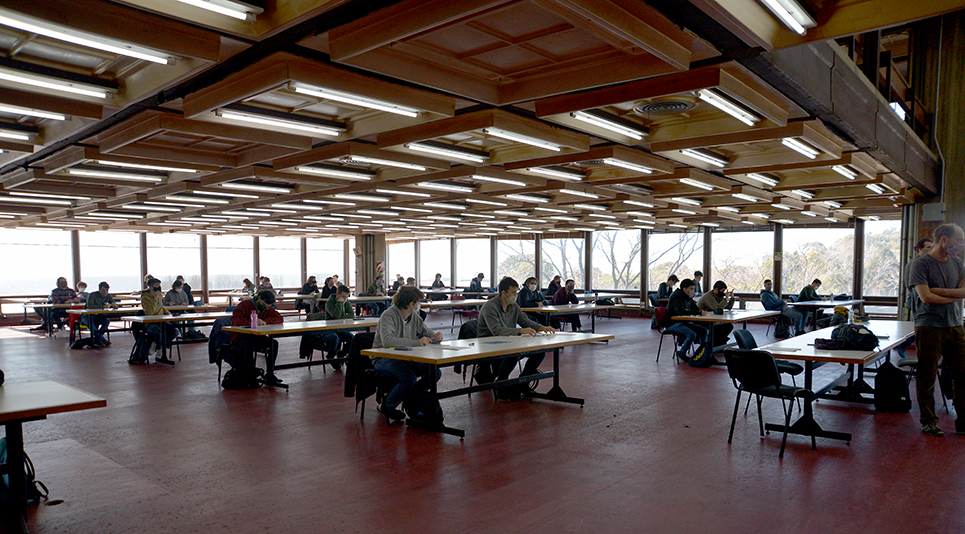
column 100, row 300
column 263, row 303
column 500, row 317
column 772, row 302
column 923, row 247
column 939, row 279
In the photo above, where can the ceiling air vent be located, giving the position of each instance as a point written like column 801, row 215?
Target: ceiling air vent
column 663, row 107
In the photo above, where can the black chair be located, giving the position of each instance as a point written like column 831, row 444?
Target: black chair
column 660, row 317
column 361, row 379
column 912, row 364
column 745, row 340
column 755, row 371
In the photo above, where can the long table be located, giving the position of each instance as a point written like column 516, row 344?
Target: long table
column 33, row 401
column 729, row 316
column 566, row 309
column 848, row 387
column 814, row 305
column 449, row 353
column 160, row 319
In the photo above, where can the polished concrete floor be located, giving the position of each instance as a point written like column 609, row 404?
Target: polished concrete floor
column 173, row 452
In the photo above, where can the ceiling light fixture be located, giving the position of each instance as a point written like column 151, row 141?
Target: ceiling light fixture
column 730, row 209
column 638, row 203
column 551, row 210
column 685, row 212
column 831, row 204
column 639, row 214
column 875, row 188
column 447, row 151
column 809, row 213
column 262, row 118
column 706, row 157
column 728, row 107
column 335, row 172
column 687, row 201
column 576, row 192
column 150, row 207
column 362, row 198
column 785, row 221
column 781, row 206
column 445, row 186
column 30, row 112
column 263, row 188
column 349, row 160
column 762, row 178
column 193, row 200
column 444, row 205
column 56, row 84
column 696, row 183
column 792, row 14
column 802, row 148
column 486, row 202
column 30, row 200
column 558, row 172
column 710, row 224
column 831, row 219
column 845, row 171
column 90, row 173
column 355, row 100
column 528, row 198
column 596, row 119
column 512, row 212
column 520, row 138
column 400, row 192
column 743, row 196
column 142, row 166
column 47, row 195
column 498, row 180
column 803, row 194
column 627, row 165
column 590, row 207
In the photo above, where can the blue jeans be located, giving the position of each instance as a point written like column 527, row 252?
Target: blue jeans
column 333, row 339
column 798, row 317
column 98, row 327
column 690, row 332
column 407, row 373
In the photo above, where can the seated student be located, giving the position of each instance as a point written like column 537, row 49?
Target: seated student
column 152, row 304
column 682, row 303
column 82, row 292
column 698, row 290
column 554, row 286
column 772, row 302
column 566, row 296
column 475, row 286
column 329, row 288
column 721, row 298
column 399, row 282
column 410, row 281
column 62, row 294
column 810, row 292
column 175, row 296
column 186, row 289
column 263, row 303
column 500, row 317
column 265, row 283
column 530, row 297
column 335, row 280
column 400, row 326
column 437, row 284
column 665, row 289
column 310, row 287
column 101, row 300
column 376, row 289
column 189, row 330
column 336, row 307
column 248, row 287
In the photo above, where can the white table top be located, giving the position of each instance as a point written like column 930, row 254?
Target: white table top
column 460, row 350
column 564, row 308
column 175, row 318
column 729, row 316
column 825, row 303
column 36, row 399
column 295, row 327
column 454, row 303
column 802, row 347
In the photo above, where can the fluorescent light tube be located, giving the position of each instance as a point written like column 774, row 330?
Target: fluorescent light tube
column 875, row 188
column 30, row 112
column 528, row 198
column 256, row 187
column 799, row 147
column 114, row 175
column 638, row 203
column 562, row 173
column 590, row 207
column 742, row 196
column 728, row 107
column 355, row 100
column 520, row 138
column 379, row 161
column 766, row 180
column 685, row 201
column 55, row 84
column 498, row 180
column 627, row 165
column 141, row 166
column 804, row 194
column 607, row 124
column 697, row 184
column 782, row 11
column 578, row 193
column 333, row 173
column 447, row 187
column 845, row 171
column 439, row 151
column 715, row 160
column 444, row 205
column 255, row 118
column 400, row 192
column 362, row 198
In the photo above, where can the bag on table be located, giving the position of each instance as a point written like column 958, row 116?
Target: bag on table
column 703, row 356
column 891, row 390
column 855, row 337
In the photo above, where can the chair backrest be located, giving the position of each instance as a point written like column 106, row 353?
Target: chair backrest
column 469, row 329
column 653, row 300
column 660, row 315
column 745, row 339
column 752, row 369
column 217, row 337
column 457, row 297
column 357, row 364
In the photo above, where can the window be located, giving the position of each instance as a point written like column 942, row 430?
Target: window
column 435, row 256
column 326, row 256
column 680, row 254
column 401, row 260
column 563, row 257
column 352, row 278
column 230, row 260
column 112, row 257
column 616, row 259
column 823, row 253
column 34, row 260
column 743, row 260
column 472, row 257
column 281, row 261
column 882, row 243
column 169, row 255
column 515, row 258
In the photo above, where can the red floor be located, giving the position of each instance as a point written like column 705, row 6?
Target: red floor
column 172, row 452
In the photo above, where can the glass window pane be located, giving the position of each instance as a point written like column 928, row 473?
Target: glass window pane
column 326, row 256
column 169, row 255
column 882, row 251
column 472, row 257
column 680, row 254
column 230, row 260
column 563, row 257
column 823, row 253
column 743, row 260
column 112, row 257
column 281, row 261
column 34, row 260
column 401, row 261
column 515, row 258
column 616, row 259
column 435, row 257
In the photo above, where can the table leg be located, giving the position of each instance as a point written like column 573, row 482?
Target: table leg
column 15, row 469
column 806, row 425
column 556, row 392
column 162, row 339
column 430, row 376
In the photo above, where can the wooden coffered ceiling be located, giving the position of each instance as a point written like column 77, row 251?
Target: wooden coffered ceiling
column 425, row 118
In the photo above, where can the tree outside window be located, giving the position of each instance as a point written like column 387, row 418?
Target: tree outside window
column 616, row 259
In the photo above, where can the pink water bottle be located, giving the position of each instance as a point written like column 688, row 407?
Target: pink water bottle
column 254, row 319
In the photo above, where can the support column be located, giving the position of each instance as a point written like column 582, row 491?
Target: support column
column 75, row 255
column 452, row 262
column 256, row 258
column 538, row 246
column 588, row 260
column 205, row 287
column 778, row 256
column 493, row 261
column 857, row 283
column 373, row 253
column 304, row 241
column 347, row 263
column 708, row 257
column 417, row 253
column 645, row 267
column 909, row 238
column 143, row 242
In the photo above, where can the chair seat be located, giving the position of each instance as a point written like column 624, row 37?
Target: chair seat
column 789, row 368
column 780, row 392
column 907, row 362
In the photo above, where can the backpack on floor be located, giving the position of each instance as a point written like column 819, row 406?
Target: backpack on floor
column 84, row 343
column 891, row 390
column 419, row 405
column 243, row 378
column 703, row 356
column 782, row 327
column 139, row 354
column 34, row 489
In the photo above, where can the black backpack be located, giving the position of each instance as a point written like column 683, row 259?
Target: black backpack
column 34, row 489
column 84, row 343
column 703, row 356
column 891, row 390
column 419, row 405
column 243, row 378
column 855, row 337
